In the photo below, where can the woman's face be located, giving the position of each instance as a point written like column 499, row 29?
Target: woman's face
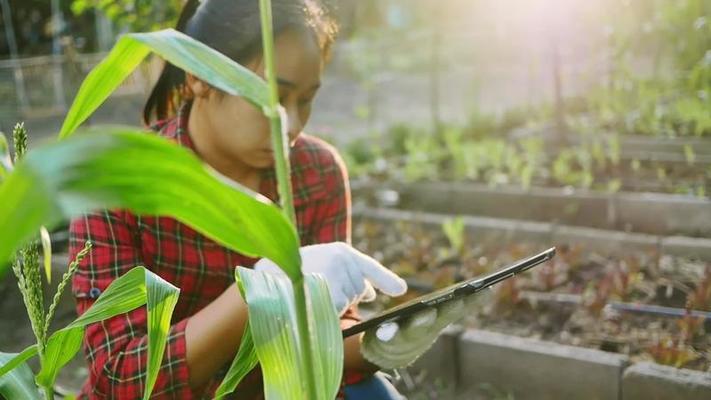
column 231, row 132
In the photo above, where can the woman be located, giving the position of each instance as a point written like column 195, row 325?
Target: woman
column 232, row 137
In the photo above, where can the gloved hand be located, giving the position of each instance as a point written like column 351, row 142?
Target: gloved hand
column 350, row 274
column 396, row 345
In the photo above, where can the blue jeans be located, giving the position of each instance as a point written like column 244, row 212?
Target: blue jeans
column 377, row 387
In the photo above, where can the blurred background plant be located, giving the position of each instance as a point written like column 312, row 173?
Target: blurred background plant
column 136, row 15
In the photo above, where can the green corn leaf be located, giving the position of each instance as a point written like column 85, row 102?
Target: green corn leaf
column 19, row 383
column 62, row 346
column 135, row 288
column 126, row 293
column 244, row 362
column 161, row 300
column 272, row 317
column 120, row 168
column 326, row 336
column 175, row 47
column 10, row 363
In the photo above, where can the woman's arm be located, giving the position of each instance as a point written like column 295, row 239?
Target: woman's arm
column 213, row 335
column 116, row 348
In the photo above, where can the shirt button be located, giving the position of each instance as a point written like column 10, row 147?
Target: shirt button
column 94, row 292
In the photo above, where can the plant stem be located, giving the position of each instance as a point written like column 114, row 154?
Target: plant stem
column 27, row 269
column 302, row 323
column 280, row 146
column 276, row 117
column 48, row 392
column 63, row 283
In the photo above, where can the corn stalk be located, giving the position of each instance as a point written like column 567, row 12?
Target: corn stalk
column 280, row 144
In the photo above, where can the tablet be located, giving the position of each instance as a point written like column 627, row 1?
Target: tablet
column 456, row 291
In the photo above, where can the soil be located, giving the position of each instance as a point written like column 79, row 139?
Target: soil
column 569, row 300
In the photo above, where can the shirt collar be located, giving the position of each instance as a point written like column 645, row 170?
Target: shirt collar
column 182, row 135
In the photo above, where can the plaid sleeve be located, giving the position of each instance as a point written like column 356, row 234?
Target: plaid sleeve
column 116, row 348
column 333, row 217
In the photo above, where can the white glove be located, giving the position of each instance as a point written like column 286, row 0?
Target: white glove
column 350, row 274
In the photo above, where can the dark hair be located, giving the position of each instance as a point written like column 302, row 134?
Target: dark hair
column 233, row 28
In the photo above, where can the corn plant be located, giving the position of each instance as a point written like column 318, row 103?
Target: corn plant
column 120, row 167
column 453, row 229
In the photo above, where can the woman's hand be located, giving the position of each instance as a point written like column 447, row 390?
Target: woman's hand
column 350, row 274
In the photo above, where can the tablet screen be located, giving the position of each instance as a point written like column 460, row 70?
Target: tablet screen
column 457, row 290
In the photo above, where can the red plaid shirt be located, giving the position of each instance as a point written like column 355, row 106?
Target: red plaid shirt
column 202, row 269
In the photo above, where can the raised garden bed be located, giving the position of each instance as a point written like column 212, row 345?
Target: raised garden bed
column 653, row 213
column 602, row 164
column 580, row 299
column 637, row 144
column 475, row 364
column 500, row 230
